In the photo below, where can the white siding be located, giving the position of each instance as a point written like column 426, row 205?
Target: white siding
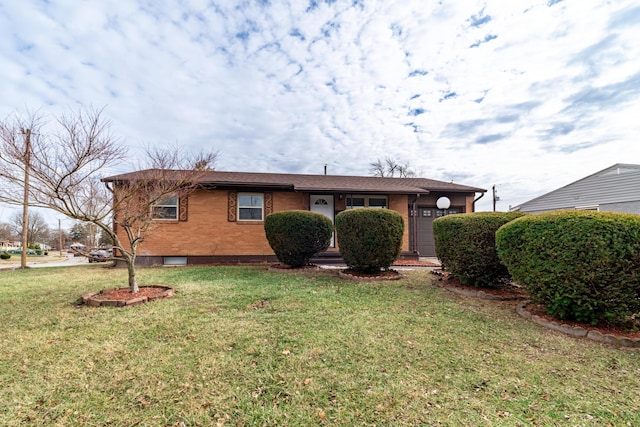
column 617, row 187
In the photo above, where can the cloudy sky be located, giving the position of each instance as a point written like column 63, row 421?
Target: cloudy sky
column 527, row 95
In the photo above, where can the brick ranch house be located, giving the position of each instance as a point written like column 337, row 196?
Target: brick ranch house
column 222, row 221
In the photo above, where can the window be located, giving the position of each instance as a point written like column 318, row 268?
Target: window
column 377, row 202
column 450, row 211
column 356, row 202
column 250, row 207
column 174, row 260
column 166, row 208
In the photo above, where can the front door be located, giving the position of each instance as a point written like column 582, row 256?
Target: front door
column 323, row 204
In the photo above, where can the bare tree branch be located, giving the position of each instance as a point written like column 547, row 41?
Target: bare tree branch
column 67, row 166
column 377, row 168
column 391, row 168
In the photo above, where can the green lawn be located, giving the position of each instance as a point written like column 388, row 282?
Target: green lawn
column 243, row 346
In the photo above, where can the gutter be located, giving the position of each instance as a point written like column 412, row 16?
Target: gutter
column 475, row 200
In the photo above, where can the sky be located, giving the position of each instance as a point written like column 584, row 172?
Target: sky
column 526, row 95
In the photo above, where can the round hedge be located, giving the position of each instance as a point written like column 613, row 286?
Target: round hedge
column 370, row 239
column 296, row 236
column 580, row 265
column 465, row 245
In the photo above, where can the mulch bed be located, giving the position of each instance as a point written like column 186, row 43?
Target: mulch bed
column 505, row 292
column 538, row 310
column 121, row 297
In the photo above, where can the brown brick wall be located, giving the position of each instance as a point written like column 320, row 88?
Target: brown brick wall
column 400, row 204
column 208, row 232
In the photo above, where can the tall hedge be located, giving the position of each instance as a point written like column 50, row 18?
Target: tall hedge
column 465, row 245
column 370, row 239
column 296, row 236
column 580, row 265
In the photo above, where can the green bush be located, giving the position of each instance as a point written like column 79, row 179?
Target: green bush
column 580, row 265
column 465, row 245
column 5, row 255
column 296, row 236
column 370, row 239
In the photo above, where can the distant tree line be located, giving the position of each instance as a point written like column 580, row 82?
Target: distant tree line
column 391, row 168
column 38, row 232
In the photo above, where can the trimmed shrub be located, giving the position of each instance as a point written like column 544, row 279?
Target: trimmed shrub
column 370, row 239
column 296, row 236
column 580, row 265
column 465, row 245
column 5, row 255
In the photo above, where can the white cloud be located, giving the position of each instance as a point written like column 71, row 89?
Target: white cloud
column 527, row 94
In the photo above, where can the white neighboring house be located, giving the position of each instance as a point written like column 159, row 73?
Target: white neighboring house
column 9, row 245
column 44, row 246
column 614, row 189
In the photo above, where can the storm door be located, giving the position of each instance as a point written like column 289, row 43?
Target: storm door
column 323, row 204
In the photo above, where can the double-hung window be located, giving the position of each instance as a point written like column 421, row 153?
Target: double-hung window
column 358, row 201
column 166, row 208
column 250, row 206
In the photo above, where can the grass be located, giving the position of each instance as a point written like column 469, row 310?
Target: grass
column 243, row 346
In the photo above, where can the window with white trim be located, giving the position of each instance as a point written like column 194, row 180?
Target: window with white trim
column 166, row 208
column 358, row 201
column 250, row 207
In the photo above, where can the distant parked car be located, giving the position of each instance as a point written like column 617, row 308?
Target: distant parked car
column 19, row 251
column 99, row 256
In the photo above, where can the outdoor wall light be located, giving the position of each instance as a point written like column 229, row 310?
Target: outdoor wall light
column 443, row 203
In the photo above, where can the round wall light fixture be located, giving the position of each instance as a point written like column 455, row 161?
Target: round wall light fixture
column 443, row 203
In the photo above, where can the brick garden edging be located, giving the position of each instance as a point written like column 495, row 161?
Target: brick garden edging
column 93, row 299
column 577, row 331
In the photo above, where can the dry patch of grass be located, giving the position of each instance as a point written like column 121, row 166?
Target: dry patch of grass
column 242, row 346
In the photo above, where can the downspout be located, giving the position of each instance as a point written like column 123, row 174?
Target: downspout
column 414, row 225
column 473, row 206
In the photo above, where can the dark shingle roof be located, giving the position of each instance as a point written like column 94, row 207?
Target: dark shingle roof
column 319, row 183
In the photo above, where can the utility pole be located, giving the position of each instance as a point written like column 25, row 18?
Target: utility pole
column 25, row 203
column 495, row 197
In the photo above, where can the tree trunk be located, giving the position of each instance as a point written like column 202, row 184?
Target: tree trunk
column 25, row 203
column 133, row 282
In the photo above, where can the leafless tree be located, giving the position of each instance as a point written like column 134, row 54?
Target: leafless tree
column 391, row 168
column 37, row 228
column 66, row 168
column 6, row 232
column 135, row 196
